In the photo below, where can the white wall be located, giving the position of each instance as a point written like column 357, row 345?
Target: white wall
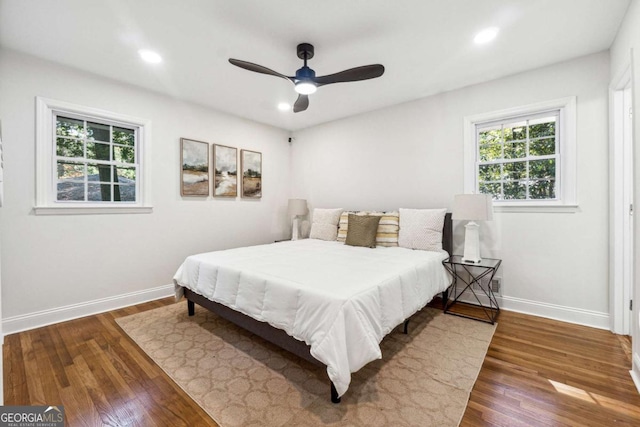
column 624, row 51
column 53, row 262
column 555, row 264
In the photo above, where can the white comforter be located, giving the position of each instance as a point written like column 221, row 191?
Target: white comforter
column 341, row 300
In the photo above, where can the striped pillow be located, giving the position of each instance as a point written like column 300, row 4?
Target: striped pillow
column 387, row 234
column 388, row 228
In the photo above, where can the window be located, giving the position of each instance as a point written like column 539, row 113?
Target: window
column 517, row 159
column 89, row 160
column 523, row 157
column 95, row 162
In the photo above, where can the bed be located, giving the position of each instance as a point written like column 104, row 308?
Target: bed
column 327, row 302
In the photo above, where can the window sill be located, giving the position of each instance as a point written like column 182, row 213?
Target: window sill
column 91, row 210
column 535, row 208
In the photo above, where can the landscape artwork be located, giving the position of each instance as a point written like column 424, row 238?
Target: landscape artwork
column 225, row 169
column 195, row 168
column 251, row 174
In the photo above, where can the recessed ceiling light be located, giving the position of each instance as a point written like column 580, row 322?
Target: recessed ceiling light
column 486, row 35
column 150, row 56
column 283, row 106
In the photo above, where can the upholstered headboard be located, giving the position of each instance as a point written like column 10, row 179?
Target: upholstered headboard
column 447, row 234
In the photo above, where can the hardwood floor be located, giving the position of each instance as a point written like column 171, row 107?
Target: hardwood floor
column 541, row 372
column 98, row 373
column 537, row 372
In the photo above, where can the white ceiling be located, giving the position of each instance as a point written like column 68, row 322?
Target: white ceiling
column 426, row 46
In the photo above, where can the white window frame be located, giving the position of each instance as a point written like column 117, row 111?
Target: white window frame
column 566, row 139
column 46, row 203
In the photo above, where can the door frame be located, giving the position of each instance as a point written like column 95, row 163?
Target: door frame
column 621, row 175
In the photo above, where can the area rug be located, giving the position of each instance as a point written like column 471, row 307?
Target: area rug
column 239, row 379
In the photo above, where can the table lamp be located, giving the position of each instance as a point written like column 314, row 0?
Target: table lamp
column 297, row 207
column 472, row 207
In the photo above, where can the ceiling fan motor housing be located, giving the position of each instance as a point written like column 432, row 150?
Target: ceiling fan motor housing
column 305, row 51
column 305, row 73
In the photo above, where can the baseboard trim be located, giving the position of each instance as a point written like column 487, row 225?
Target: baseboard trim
column 24, row 322
column 594, row 319
column 635, row 371
column 38, row 319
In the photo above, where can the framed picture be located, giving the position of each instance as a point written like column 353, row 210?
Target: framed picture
column 251, row 174
column 194, row 173
column 225, row 171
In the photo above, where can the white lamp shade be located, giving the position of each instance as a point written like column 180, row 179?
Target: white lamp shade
column 298, row 207
column 472, row 207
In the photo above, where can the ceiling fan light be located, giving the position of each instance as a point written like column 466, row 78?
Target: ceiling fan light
column 305, row 87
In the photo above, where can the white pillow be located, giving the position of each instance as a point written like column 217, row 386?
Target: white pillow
column 421, row 229
column 325, row 224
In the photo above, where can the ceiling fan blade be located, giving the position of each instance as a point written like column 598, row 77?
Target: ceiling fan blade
column 352, row 75
column 302, row 103
column 257, row 68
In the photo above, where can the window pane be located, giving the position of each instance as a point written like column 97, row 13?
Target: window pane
column 96, row 151
column 542, row 168
column 515, row 170
column 99, row 192
column 491, row 188
column 92, row 172
column 69, row 127
column 101, row 173
column 489, row 172
column 544, row 189
column 490, row 152
column 70, row 171
column 124, row 136
column 127, row 193
column 68, row 191
column 515, row 190
column 515, row 150
column 515, row 131
column 490, row 136
column 69, row 147
column 542, row 147
column 125, row 175
column 542, row 128
column 124, row 154
column 98, row 132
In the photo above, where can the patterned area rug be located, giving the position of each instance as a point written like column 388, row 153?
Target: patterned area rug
column 424, row 378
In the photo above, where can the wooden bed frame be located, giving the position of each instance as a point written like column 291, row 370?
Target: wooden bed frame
column 280, row 337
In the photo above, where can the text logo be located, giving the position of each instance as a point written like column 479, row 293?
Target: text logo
column 31, row 416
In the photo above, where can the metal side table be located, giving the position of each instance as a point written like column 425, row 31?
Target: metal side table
column 479, row 274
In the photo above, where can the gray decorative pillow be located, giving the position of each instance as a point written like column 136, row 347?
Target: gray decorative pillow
column 362, row 230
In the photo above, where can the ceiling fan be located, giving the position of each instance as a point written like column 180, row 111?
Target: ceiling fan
column 305, row 80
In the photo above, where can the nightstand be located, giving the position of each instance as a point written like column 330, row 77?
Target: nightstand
column 476, row 284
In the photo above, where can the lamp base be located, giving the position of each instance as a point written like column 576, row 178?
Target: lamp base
column 294, row 229
column 472, row 243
